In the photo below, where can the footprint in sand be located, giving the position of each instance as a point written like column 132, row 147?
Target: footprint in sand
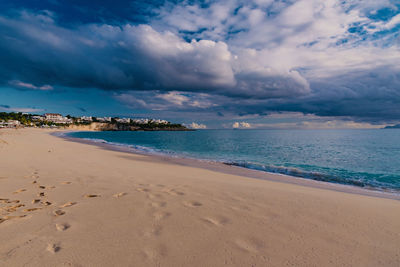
column 143, row 190
column 46, row 203
column 221, row 221
column 34, row 182
column 14, row 217
column 58, row 212
column 251, row 245
column 6, row 218
column 19, row 191
column 31, row 209
column 153, row 196
column 119, row 195
column 159, row 215
column 66, row 183
column 68, row 204
column 173, row 192
column 158, row 204
column 12, row 208
column 154, row 231
column 4, row 200
column 41, row 187
column 35, row 201
column 192, row 204
column 62, row 226
column 177, row 193
column 92, row 195
column 41, row 194
column 53, row 248
column 155, row 253
column 7, row 201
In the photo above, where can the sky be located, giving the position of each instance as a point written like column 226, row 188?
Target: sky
column 209, row 64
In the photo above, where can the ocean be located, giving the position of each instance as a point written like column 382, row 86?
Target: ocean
column 364, row 158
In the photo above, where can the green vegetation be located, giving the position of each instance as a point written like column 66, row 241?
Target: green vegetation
column 154, row 126
column 25, row 119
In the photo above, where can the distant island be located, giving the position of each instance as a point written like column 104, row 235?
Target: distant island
column 55, row 120
column 397, row 126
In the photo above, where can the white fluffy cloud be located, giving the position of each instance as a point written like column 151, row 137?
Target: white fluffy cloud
column 198, row 126
column 301, row 40
column 241, row 125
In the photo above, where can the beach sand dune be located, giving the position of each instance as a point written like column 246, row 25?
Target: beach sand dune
column 110, row 208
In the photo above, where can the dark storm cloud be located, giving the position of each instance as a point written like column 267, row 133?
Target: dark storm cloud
column 246, row 57
column 38, row 52
column 362, row 95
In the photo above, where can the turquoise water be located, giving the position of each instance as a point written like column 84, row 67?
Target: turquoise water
column 366, row 158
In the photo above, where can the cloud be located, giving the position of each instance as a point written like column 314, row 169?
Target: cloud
column 22, row 85
column 109, row 57
column 295, row 120
column 385, row 25
column 241, row 125
column 320, row 57
column 194, row 125
column 130, row 57
column 7, row 108
column 326, row 124
column 173, row 101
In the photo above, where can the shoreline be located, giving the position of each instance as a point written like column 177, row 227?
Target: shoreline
column 235, row 170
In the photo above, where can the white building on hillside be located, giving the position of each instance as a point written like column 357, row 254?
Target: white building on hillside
column 38, row 118
column 86, row 118
column 141, row 121
column 57, row 118
column 160, row 121
column 53, row 116
column 10, row 124
column 104, row 119
column 124, row 120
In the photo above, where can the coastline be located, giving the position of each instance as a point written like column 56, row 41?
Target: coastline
column 237, row 170
column 66, row 203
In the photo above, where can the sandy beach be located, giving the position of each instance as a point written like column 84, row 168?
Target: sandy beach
column 65, row 203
